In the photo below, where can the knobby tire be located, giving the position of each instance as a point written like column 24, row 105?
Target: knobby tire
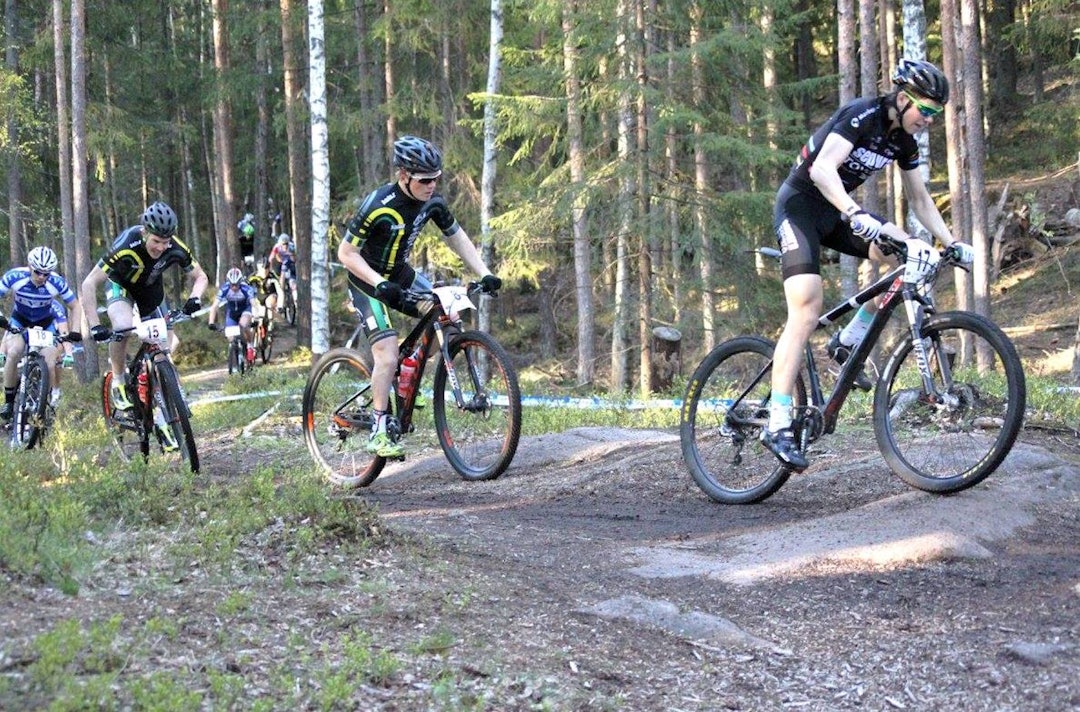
column 128, row 441
column 481, row 439
column 176, row 412
column 720, row 436
column 31, row 403
column 949, row 446
column 337, row 417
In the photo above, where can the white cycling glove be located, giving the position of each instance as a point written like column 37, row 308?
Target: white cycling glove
column 865, row 225
column 965, row 252
column 921, row 259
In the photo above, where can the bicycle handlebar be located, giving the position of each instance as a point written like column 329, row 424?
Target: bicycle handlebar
column 72, row 336
column 174, row 316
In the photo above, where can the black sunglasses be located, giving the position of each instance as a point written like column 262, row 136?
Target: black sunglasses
column 424, row 181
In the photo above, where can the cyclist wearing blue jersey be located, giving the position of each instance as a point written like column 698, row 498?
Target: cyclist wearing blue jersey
column 814, row 208
column 132, row 271
column 238, row 297
column 375, row 251
column 34, row 289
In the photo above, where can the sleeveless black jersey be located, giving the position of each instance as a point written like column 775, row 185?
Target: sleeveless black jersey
column 865, row 123
column 129, row 265
column 388, row 222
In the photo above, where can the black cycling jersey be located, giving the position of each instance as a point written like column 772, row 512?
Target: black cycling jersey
column 131, row 267
column 866, row 124
column 387, row 224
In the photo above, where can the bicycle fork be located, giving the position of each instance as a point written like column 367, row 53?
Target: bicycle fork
column 478, row 403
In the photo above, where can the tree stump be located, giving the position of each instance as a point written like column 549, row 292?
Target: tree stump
column 666, row 358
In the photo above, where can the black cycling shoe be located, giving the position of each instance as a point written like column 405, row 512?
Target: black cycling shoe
column 782, row 444
column 839, row 352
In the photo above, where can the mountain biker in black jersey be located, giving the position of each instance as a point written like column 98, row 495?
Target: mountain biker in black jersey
column 376, row 249
column 246, row 230
column 132, row 270
column 861, row 138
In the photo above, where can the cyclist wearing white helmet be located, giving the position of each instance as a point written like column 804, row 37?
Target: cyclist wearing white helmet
column 238, row 297
column 283, row 255
column 131, row 273
column 34, row 289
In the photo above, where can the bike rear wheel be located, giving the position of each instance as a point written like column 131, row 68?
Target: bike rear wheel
column 264, row 343
column 480, row 438
column 177, row 416
column 236, row 359
column 133, row 436
column 337, row 419
column 290, row 308
column 949, row 443
column 724, row 408
column 31, row 404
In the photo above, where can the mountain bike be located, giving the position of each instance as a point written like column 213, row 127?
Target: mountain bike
column 262, row 336
column 947, row 406
column 288, row 281
column 238, row 350
column 476, row 400
column 33, row 414
column 153, row 386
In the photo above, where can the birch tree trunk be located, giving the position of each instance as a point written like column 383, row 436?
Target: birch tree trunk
column 701, row 183
column 625, row 206
column 848, row 67
column 491, row 131
column 643, row 39
column 80, row 204
column 582, row 249
column 320, row 174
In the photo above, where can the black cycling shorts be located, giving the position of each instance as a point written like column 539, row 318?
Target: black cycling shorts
column 803, row 223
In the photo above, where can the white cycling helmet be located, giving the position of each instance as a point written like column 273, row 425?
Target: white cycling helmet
column 283, row 239
column 42, row 259
column 234, row 276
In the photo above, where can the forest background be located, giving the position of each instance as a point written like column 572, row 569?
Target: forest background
column 615, row 159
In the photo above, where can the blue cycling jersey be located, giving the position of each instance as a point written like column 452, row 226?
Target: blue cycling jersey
column 237, row 301
column 33, row 304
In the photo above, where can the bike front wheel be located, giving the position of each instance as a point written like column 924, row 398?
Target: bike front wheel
column 724, row 408
column 956, row 435
column 177, row 416
column 31, row 404
column 479, row 434
column 338, row 416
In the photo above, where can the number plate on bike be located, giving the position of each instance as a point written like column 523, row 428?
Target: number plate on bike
column 39, row 338
column 454, row 299
column 154, row 331
column 231, row 332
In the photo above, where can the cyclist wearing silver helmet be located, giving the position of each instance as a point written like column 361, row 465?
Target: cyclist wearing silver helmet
column 376, row 250
column 861, row 138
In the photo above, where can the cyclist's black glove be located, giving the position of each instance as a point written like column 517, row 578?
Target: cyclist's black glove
column 100, row 333
column 389, row 293
column 4, row 323
column 192, row 305
column 212, row 327
column 74, row 336
column 490, row 283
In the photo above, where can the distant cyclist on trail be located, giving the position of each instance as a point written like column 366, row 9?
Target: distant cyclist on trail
column 376, row 250
column 284, row 255
column 862, row 137
column 246, row 229
column 131, row 273
column 34, row 289
column 239, row 298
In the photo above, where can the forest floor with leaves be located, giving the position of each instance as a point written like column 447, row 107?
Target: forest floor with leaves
column 594, row 574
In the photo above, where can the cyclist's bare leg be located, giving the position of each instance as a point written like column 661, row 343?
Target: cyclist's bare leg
column 16, row 349
column 804, row 296
column 245, row 326
column 120, row 317
column 384, row 353
column 51, row 356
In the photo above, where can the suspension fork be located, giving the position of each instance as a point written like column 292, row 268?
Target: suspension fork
column 915, row 307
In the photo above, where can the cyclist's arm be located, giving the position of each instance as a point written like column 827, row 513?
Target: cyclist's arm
column 922, row 204
column 212, row 316
column 460, row 243
column 90, row 285
column 200, row 280
column 74, row 308
column 824, row 171
column 350, row 256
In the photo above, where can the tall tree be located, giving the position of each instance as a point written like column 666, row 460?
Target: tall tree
column 491, row 130
column 320, row 173
column 80, row 203
column 848, row 67
column 16, row 232
column 63, row 138
column 624, row 204
column 701, row 178
column 582, row 249
column 227, row 237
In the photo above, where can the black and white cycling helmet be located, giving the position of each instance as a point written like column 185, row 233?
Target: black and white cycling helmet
column 160, row 220
column 234, row 276
column 417, row 156
column 42, row 259
column 922, row 78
